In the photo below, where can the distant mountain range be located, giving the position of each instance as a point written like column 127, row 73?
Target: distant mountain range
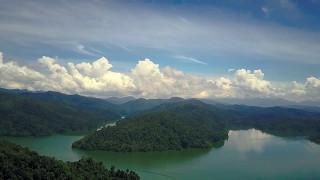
column 25, row 113
column 74, row 100
column 29, row 116
column 262, row 102
column 130, row 101
column 120, row 100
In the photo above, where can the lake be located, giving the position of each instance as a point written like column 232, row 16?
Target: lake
column 247, row 154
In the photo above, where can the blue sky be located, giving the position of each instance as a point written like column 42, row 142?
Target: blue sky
column 206, row 38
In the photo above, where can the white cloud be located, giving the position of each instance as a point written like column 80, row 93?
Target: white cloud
column 148, row 80
column 313, row 82
column 309, row 90
column 249, row 141
column 206, row 30
column 152, row 81
column 297, row 89
column 13, row 75
column 248, row 82
column 224, row 84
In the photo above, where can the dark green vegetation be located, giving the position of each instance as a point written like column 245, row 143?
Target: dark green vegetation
column 120, row 100
column 73, row 100
column 176, row 126
column 152, row 124
column 315, row 139
column 25, row 113
column 17, row 162
column 140, row 105
column 25, row 116
column 279, row 121
column 193, row 124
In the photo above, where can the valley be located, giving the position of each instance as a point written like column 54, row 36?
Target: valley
column 162, row 138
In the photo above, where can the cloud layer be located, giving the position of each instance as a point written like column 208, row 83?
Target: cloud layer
column 80, row 26
column 148, row 80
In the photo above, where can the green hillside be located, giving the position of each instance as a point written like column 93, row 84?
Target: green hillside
column 193, row 124
column 25, row 116
column 17, row 162
column 180, row 126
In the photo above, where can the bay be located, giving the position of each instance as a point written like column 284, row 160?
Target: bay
column 247, row 154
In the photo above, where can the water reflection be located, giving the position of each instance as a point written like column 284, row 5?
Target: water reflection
column 249, row 140
column 145, row 159
column 247, row 154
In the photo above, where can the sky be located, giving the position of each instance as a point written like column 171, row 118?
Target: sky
column 159, row 49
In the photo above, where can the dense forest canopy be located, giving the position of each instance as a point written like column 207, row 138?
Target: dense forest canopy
column 193, row 124
column 17, row 162
column 187, row 124
column 151, row 124
column 25, row 116
column 280, row 121
column 73, row 100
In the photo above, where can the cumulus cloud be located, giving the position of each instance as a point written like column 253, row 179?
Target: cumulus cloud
column 85, row 78
column 13, row 75
column 95, row 77
column 308, row 90
column 248, row 82
column 152, row 81
column 147, row 79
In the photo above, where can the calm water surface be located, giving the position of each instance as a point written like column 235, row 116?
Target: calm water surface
column 247, row 154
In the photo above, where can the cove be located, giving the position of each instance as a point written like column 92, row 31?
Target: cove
column 247, row 154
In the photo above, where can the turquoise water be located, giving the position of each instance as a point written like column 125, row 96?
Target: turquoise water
column 247, row 154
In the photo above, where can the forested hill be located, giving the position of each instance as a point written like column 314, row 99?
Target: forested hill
column 120, row 100
column 121, row 106
column 141, row 104
column 17, row 162
column 182, row 125
column 24, row 116
column 26, row 113
column 193, row 124
column 280, row 121
column 73, row 100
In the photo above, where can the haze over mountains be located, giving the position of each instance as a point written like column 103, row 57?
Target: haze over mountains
column 261, row 102
column 127, row 105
